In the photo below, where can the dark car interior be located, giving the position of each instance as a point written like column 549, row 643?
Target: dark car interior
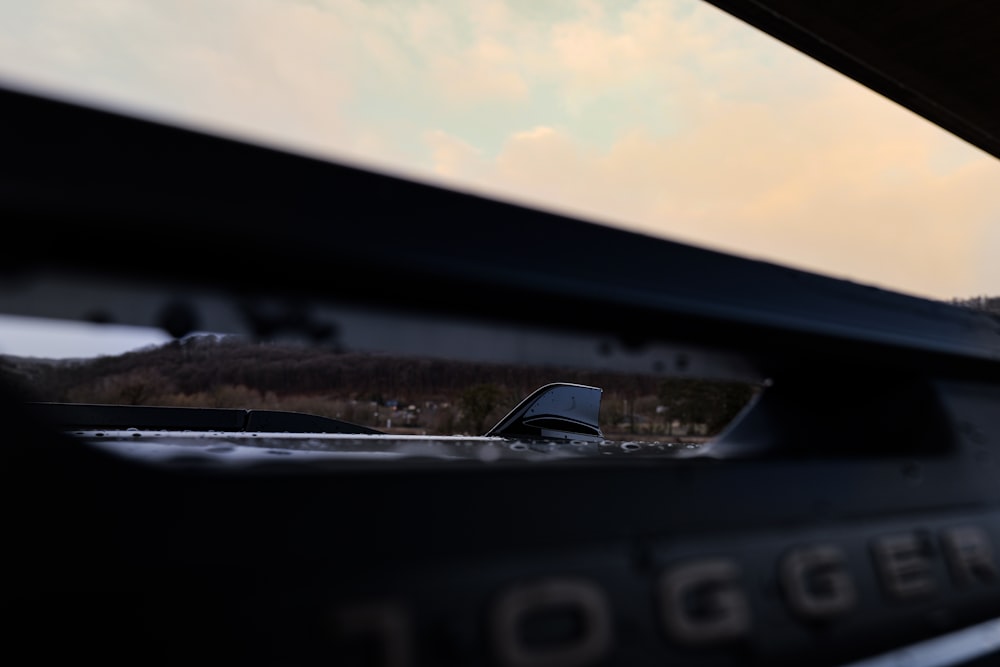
column 800, row 536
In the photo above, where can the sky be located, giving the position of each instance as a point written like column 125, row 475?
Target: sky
column 665, row 117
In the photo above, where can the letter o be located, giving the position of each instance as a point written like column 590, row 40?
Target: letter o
column 516, row 604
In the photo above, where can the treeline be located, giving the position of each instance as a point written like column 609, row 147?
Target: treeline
column 988, row 304
column 383, row 391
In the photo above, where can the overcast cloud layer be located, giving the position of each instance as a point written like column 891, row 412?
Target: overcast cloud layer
column 666, row 117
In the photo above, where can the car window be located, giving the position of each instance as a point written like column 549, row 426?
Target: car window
column 671, row 119
column 667, row 117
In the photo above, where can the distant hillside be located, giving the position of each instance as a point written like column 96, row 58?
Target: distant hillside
column 377, row 390
column 203, row 363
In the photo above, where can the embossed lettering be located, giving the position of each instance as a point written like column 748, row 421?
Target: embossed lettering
column 816, row 582
column 376, row 633
column 969, row 555
column 576, row 606
column 702, row 602
column 904, row 565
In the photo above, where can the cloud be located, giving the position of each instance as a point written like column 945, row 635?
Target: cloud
column 257, row 70
column 843, row 184
column 486, row 72
column 454, row 158
column 770, row 156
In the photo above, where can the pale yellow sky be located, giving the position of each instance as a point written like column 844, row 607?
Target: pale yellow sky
column 666, row 117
